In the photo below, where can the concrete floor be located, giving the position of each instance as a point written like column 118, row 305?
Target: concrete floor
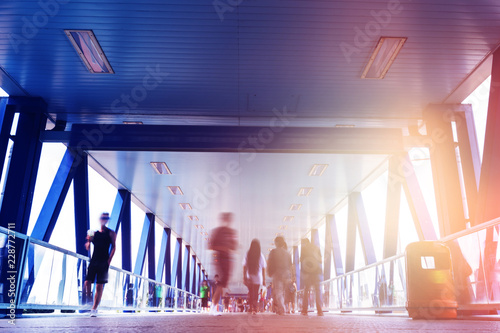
column 203, row 323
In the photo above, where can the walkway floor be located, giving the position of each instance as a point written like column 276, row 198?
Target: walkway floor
column 241, row 323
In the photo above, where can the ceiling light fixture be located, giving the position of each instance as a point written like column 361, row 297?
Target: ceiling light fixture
column 185, row 206
column 199, row 226
column 161, row 168
column 318, row 169
column 288, row 219
column 304, row 191
column 382, row 57
column 133, row 123
column 295, row 207
column 345, row 126
column 193, row 218
column 282, row 227
column 175, row 190
column 89, row 50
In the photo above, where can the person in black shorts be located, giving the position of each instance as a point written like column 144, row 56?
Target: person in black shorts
column 104, row 249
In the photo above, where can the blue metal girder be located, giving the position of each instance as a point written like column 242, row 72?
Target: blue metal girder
column 126, row 226
column 81, row 198
column 416, row 202
column 200, row 277
column 445, row 170
column 351, row 236
column 239, row 139
column 176, row 275
column 6, row 119
column 143, row 244
column 193, row 274
column 364, row 230
column 151, row 248
column 332, row 245
column 186, row 268
column 393, row 204
column 23, row 169
column 54, row 201
column 162, row 257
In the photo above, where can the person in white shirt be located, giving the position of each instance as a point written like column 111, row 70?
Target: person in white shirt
column 254, row 273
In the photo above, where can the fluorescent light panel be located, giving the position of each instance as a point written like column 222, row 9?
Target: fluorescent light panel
column 345, row 126
column 295, row 207
column 382, row 58
column 304, row 191
column 288, row 218
column 175, row 190
column 199, row 226
column 161, row 168
column 185, row 206
column 282, row 227
column 133, row 123
column 89, row 50
column 193, row 218
column 318, row 169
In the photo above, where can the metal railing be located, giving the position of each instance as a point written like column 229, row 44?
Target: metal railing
column 381, row 286
column 38, row 275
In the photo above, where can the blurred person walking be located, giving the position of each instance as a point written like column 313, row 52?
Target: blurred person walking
column 278, row 267
column 254, row 273
column 104, row 249
column 310, row 268
column 223, row 242
column 204, row 295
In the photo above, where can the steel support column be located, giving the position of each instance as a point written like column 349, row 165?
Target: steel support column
column 351, row 235
column 163, row 256
column 81, row 203
column 333, row 237
column 393, row 204
column 469, row 156
column 143, row 245
column 416, row 201
column 6, row 119
column 21, row 177
column 186, row 271
column 54, row 201
column 445, row 169
column 120, row 217
column 176, row 275
column 357, row 220
column 364, row 230
column 193, row 274
column 200, row 279
column 151, row 247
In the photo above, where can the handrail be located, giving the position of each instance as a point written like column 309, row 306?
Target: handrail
column 471, row 230
column 39, row 242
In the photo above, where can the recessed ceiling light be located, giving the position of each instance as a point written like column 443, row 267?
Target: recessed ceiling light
column 282, row 227
column 185, row 206
column 382, row 58
column 161, row 168
column 199, row 226
column 288, row 219
column 318, row 169
column 133, row 122
column 295, row 206
column 304, row 191
column 193, row 218
column 89, row 50
column 175, row 190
